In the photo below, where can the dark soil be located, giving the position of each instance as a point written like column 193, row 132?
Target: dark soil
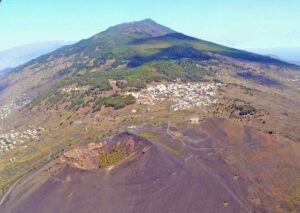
column 155, row 179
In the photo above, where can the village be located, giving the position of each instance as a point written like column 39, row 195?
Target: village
column 182, row 95
column 12, row 139
column 17, row 103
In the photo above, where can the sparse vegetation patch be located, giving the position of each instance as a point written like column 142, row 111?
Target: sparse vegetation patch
column 115, row 101
column 243, row 108
column 112, row 158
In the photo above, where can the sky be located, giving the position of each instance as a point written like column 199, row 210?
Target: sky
column 241, row 24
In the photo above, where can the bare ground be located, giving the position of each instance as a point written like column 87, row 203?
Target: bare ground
column 218, row 166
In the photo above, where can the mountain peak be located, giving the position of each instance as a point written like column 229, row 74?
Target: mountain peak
column 147, row 20
column 146, row 26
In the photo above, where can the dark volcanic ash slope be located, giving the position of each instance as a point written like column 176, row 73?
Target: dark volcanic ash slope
column 151, row 179
column 218, row 166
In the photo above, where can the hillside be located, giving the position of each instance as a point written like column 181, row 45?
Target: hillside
column 143, row 118
column 123, row 46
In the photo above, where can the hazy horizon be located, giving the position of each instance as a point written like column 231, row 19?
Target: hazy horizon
column 268, row 23
column 290, row 54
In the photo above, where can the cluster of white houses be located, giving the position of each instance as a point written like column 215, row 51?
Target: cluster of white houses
column 182, row 95
column 17, row 103
column 9, row 141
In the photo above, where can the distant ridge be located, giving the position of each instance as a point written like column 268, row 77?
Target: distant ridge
column 288, row 54
column 19, row 55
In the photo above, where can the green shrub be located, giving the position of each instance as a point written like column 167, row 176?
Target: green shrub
column 116, row 101
column 112, row 158
column 121, row 84
column 243, row 107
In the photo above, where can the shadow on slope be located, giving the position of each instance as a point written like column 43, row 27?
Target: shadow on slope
column 259, row 79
